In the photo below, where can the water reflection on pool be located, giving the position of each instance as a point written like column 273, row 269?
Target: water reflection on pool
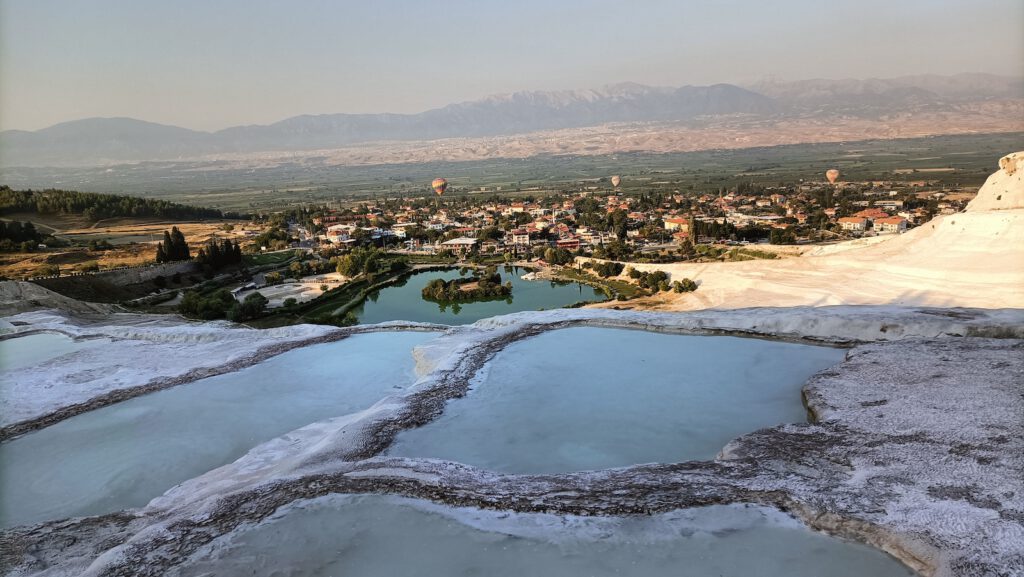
column 592, row 398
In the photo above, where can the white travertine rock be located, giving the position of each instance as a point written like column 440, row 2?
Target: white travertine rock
column 1004, row 189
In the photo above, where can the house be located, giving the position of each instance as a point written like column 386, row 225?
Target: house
column 519, row 238
column 854, row 223
column 872, row 214
column 892, row 224
column 400, row 229
column 889, row 204
column 568, row 243
column 461, row 245
column 677, row 224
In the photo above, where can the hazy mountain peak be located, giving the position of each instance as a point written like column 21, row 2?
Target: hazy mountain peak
column 97, row 140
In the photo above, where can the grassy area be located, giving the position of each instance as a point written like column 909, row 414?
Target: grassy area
column 262, row 259
column 613, row 287
column 75, row 259
column 430, row 259
column 751, row 254
column 132, row 238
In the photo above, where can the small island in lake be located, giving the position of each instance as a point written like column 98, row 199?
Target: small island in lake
column 483, row 284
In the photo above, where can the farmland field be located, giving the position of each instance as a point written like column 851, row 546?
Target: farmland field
column 963, row 160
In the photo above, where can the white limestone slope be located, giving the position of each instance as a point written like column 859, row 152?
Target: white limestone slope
column 970, row 259
column 141, row 349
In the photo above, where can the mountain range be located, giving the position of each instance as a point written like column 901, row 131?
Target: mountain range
column 109, row 140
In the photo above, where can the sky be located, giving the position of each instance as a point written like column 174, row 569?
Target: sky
column 210, row 64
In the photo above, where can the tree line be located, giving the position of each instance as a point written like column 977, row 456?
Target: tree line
column 15, row 235
column 94, row 206
column 217, row 255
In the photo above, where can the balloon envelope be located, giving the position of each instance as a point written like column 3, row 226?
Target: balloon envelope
column 439, row 185
column 832, row 174
column 616, row 180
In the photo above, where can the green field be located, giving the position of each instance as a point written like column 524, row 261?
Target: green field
column 963, row 160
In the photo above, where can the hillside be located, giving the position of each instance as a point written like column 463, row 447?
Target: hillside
column 970, row 259
column 961, row 103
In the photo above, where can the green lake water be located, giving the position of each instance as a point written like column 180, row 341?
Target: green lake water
column 405, row 302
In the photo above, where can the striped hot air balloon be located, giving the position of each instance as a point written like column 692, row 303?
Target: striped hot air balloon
column 832, row 174
column 439, row 185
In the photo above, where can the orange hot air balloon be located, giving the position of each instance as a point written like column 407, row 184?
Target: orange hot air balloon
column 832, row 174
column 616, row 180
column 439, row 185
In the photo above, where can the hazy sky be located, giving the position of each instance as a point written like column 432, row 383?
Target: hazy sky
column 208, row 64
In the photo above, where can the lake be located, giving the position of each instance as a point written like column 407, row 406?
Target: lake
column 404, row 301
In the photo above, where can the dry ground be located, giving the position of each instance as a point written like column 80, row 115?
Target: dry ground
column 133, row 239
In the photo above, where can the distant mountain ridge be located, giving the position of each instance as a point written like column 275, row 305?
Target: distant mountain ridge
column 105, row 140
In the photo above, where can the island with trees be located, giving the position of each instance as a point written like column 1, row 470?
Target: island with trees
column 483, row 284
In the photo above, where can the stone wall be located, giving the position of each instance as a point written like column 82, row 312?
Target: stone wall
column 134, row 274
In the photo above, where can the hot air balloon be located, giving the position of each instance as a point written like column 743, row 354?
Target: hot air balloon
column 832, row 174
column 616, row 180
column 439, row 185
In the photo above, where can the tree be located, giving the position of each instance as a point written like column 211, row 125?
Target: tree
column 28, row 232
column 181, row 251
column 686, row 248
column 168, row 248
column 253, row 305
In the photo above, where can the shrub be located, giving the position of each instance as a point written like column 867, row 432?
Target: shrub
column 608, row 269
column 684, row 286
column 48, row 270
column 215, row 306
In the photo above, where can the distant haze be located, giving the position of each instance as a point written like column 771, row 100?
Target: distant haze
column 918, row 105
column 211, row 64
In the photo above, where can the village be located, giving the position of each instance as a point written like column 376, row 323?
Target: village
column 658, row 222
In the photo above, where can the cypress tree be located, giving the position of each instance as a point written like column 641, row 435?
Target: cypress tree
column 181, row 251
column 28, row 231
column 213, row 254
column 168, row 247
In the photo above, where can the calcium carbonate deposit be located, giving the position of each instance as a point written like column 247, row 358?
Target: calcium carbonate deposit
column 914, row 446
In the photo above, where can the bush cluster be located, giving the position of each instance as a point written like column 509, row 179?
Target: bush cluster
column 655, row 280
column 488, row 286
column 222, row 304
column 605, row 269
